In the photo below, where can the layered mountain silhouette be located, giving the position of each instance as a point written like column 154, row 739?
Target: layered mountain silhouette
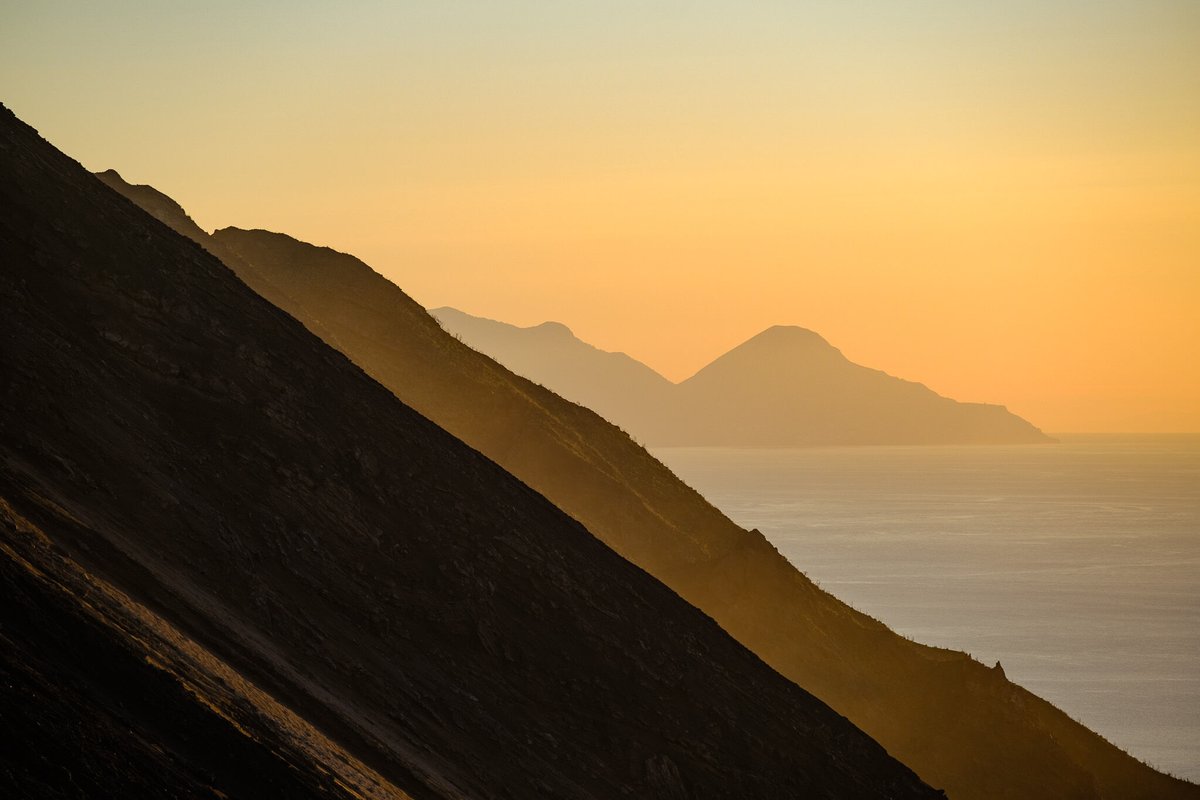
column 617, row 387
column 959, row 724
column 787, row 386
column 234, row 564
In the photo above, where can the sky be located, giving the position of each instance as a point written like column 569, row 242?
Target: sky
column 1000, row 200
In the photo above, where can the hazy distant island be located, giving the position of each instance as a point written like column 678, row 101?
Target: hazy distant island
column 958, row 723
column 787, row 386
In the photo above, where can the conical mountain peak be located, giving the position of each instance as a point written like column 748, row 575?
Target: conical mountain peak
column 792, row 334
column 778, row 349
column 787, row 338
column 552, row 328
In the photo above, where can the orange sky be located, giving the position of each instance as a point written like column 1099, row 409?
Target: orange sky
column 1003, row 203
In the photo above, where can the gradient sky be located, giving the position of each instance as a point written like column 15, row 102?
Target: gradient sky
column 1001, row 200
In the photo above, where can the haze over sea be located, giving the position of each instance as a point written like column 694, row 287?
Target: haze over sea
column 1075, row 565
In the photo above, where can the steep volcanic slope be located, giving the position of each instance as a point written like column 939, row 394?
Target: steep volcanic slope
column 786, row 386
column 104, row 699
column 192, row 446
column 622, row 390
column 961, row 725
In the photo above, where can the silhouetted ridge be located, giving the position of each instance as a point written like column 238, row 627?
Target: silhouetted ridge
column 162, row 207
column 556, row 329
column 789, row 336
column 964, row 726
column 789, row 387
column 264, row 521
column 778, row 348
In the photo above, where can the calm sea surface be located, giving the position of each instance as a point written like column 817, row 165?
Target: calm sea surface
column 1076, row 565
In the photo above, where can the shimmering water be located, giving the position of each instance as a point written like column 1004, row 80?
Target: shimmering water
column 1075, row 565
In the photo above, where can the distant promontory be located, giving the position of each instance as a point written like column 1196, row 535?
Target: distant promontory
column 785, row 387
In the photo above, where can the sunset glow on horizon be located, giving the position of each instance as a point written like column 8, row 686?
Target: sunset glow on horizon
column 1001, row 201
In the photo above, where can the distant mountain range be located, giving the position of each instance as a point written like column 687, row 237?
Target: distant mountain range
column 961, row 725
column 619, row 388
column 787, row 386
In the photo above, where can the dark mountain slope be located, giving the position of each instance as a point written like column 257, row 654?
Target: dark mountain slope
column 99, row 699
column 560, row 448
column 169, row 212
column 788, row 386
column 199, row 450
column 963, row 726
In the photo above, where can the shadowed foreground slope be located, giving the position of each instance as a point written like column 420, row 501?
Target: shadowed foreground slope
column 104, row 699
column 961, row 725
column 785, row 387
column 167, row 430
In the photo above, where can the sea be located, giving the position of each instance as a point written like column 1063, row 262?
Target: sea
column 1076, row 565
